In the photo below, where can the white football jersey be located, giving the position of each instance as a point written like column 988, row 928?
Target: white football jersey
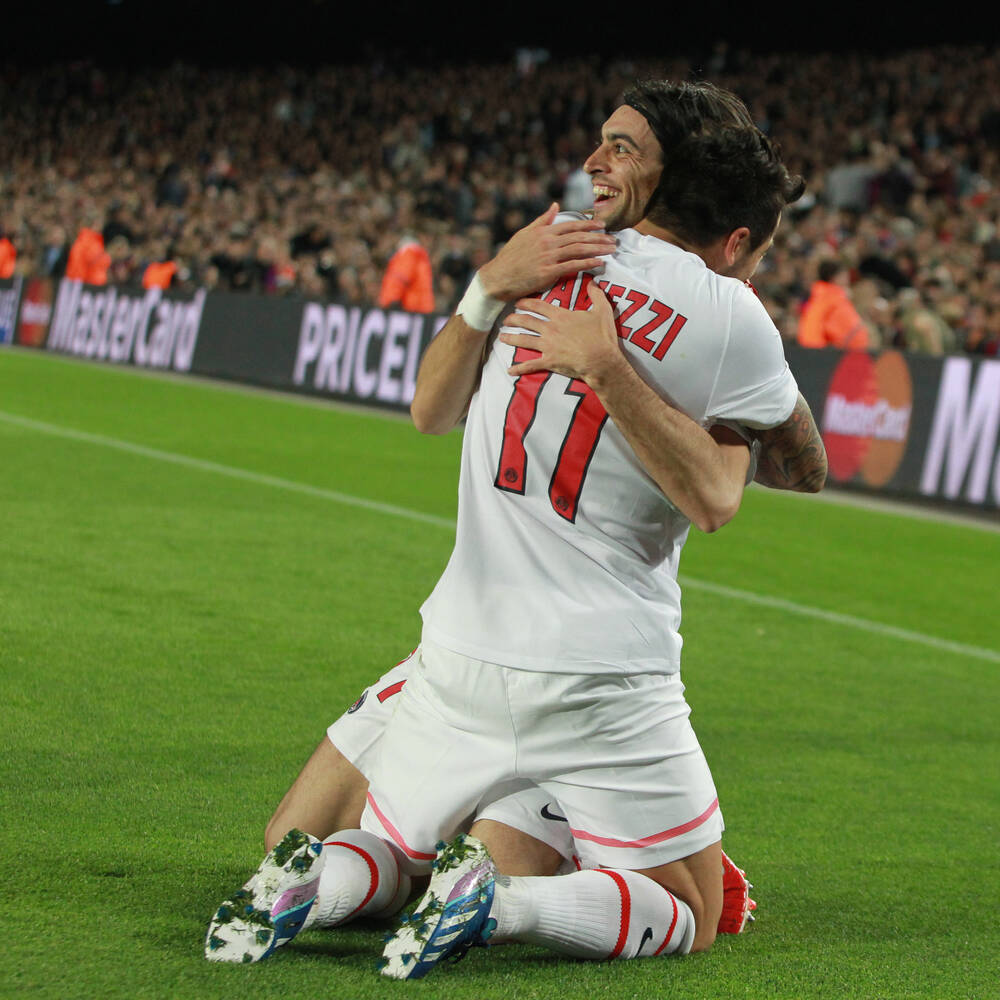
column 567, row 551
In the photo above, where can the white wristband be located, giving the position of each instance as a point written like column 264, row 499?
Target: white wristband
column 477, row 308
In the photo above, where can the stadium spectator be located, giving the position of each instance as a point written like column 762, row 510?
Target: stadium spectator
column 828, row 317
column 54, row 253
column 310, row 241
column 159, row 274
column 116, row 226
column 88, row 261
column 123, row 266
column 275, row 268
column 234, row 263
column 8, row 257
column 982, row 331
column 923, row 328
column 407, row 281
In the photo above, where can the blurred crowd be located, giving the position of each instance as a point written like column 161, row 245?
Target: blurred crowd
column 290, row 181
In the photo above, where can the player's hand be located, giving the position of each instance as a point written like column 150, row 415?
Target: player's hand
column 535, row 256
column 576, row 344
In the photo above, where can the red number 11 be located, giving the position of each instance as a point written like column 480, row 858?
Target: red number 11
column 578, row 445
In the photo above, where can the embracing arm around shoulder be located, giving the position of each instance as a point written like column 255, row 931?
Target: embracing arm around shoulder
column 792, row 456
column 701, row 472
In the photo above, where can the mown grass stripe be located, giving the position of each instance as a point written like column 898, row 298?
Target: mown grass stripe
column 850, row 621
column 262, row 479
column 204, row 465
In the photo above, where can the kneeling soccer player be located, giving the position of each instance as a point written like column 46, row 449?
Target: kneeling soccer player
column 336, row 877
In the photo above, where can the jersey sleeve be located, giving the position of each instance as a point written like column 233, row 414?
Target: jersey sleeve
column 569, row 217
column 754, row 386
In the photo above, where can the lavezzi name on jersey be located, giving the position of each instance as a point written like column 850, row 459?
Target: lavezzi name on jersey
column 114, row 325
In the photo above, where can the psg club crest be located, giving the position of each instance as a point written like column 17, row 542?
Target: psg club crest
column 358, row 703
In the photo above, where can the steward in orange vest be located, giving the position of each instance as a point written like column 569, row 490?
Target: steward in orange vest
column 88, row 260
column 408, row 281
column 828, row 318
column 8, row 255
column 159, row 275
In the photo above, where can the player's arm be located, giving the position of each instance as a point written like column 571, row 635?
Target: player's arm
column 531, row 260
column 448, row 376
column 701, row 472
column 792, row 455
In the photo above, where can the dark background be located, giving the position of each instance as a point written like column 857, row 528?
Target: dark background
column 145, row 32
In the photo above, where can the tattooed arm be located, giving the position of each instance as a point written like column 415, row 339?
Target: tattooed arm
column 792, row 456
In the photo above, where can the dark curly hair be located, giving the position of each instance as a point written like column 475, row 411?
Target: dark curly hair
column 722, row 180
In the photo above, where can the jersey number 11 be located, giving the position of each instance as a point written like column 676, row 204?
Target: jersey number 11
column 578, row 445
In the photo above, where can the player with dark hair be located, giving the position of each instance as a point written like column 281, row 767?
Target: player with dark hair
column 693, row 212
column 536, row 255
column 550, row 648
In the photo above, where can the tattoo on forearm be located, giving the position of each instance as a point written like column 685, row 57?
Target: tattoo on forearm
column 792, row 456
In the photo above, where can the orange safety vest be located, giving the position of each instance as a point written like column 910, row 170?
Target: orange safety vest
column 408, row 280
column 159, row 275
column 88, row 262
column 8, row 255
column 829, row 319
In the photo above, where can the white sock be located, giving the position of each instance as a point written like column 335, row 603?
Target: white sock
column 599, row 913
column 360, row 878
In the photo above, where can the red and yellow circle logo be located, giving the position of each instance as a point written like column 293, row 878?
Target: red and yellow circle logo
column 866, row 418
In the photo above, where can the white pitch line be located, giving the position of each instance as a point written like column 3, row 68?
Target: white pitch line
column 984, row 520
column 233, row 472
column 878, row 628
column 778, row 603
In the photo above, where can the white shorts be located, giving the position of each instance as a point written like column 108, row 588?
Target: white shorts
column 522, row 805
column 616, row 753
column 356, row 734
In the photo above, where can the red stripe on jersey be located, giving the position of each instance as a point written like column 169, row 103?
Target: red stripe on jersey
column 372, row 873
column 390, row 690
column 673, row 924
column 655, row 838
column 397, row 836
column 626, row 912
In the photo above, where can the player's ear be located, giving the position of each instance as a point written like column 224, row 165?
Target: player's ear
column 736, row 244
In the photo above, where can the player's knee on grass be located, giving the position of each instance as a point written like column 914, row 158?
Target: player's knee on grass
column 515, row 852
column 328, row 795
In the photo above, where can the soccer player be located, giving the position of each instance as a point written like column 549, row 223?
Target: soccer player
column 625, row 170
column 550, row 648
column 329, row 794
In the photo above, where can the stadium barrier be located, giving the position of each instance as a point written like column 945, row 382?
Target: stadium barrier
column 900, row 424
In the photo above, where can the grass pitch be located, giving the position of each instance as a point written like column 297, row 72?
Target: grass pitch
column 195, row 581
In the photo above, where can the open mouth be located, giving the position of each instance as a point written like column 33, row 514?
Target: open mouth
column 603, row 195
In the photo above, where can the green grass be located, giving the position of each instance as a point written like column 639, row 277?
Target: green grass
column 174, row 641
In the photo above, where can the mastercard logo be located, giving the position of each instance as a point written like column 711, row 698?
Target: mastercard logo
column 866, row 418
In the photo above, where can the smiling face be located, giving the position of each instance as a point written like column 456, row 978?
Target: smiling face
column 624, row 169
